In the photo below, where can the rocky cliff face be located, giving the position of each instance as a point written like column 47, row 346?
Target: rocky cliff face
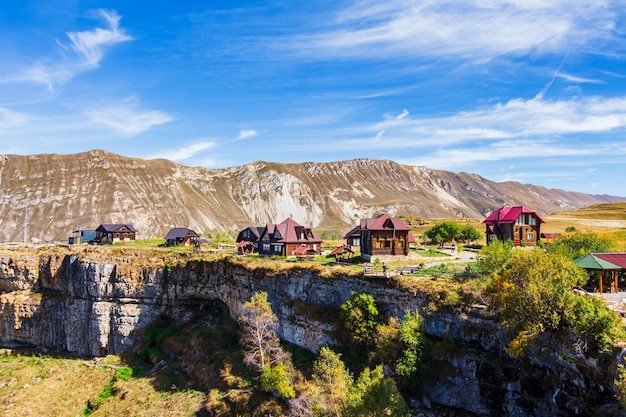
column 94, row 301
column 48, row 196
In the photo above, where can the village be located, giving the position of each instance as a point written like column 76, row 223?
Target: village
column 378, row 244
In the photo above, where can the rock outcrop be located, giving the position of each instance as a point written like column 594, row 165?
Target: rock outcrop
column 94, row 301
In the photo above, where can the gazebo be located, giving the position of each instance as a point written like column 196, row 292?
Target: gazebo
column 604, row 263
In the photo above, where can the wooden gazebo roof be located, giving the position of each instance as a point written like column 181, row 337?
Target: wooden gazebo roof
column 612, row 261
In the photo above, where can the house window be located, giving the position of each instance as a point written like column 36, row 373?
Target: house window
column 356, row 241
column 387, row 243
column 266, row 247
column 277, row 248
column 246, row 233
column 529, row 236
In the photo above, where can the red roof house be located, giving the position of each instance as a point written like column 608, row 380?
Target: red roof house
column 380, row 235
column 283, row 239
column 518, row 224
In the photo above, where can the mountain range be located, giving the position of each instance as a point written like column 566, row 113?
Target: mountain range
column 47, row 196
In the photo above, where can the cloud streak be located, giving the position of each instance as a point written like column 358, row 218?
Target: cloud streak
column 473, row 30
column 126, row 120
column 185, row 152
column 246, row 134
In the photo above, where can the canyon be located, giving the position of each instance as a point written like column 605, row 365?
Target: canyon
column 94, row 301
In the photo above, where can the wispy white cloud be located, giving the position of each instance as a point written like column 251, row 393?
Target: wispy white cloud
column 90, row 45
column 579, row 80
column 89, row 48
column 126, row 119
column 402, row 115
column 10, row 119
column 246, row 134
column 186, row 152
column 472, row 30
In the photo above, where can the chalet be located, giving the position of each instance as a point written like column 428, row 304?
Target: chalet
column 282, row 239
column 111, row 233
column 380, row 236
column 518, row 224
column 181, row 236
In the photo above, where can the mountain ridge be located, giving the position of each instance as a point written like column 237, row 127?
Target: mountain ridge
column 47, row 196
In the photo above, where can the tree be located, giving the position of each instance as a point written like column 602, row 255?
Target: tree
column 577, row 244
column 333, row 381
column 533, row 293
column 412, row 341
column 469, row 233
column 374, row 395
column 445, row 231
column 260, row 344
column 360, row 317
column 494, row 256
column 276, row 379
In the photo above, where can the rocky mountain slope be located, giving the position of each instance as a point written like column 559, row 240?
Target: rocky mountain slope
column 48, row 196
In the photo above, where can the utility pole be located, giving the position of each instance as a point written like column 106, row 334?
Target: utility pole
column 25, row 222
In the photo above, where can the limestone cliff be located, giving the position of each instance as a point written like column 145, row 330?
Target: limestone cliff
column 93, row 301
column 48, row 196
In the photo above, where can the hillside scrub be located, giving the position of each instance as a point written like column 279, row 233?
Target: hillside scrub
column 533, row 293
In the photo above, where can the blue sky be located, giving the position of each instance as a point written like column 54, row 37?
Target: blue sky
column 526, row 90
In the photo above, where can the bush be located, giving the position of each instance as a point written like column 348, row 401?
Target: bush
column 275, row 379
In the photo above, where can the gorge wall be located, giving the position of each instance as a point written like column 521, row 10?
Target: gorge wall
column 93, row 302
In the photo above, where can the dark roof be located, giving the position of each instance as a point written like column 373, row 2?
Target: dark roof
column 180, row 232
column 509, row 214
column 111, row 227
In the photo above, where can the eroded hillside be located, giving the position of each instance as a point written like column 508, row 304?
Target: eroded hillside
column 48, row 196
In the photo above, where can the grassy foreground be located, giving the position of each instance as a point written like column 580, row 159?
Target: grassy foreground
column 41, row 385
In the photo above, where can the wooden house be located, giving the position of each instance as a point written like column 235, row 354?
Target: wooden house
column 382, row 235
column 519, row 224
column 281, row 239
column 111, row 233
column 181, row 236
column 248, row 239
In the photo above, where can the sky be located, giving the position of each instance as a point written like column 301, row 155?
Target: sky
column 513, row 90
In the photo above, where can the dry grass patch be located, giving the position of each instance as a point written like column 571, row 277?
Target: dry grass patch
column 46, row 386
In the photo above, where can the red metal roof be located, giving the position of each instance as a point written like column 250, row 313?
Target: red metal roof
column 289, row 231
column 340, row 249
column 301, row 250
column 383, row 222
column 616, row 258
column 509, row 214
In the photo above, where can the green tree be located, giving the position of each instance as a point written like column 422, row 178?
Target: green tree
column 445, row 231
column 469, row 233
column 373, row 395
column 577, row 244
column 276, row 379
column 533, row 293
column 411, row 341
column 494, row 256
column 332, row 382
column 360, row 317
